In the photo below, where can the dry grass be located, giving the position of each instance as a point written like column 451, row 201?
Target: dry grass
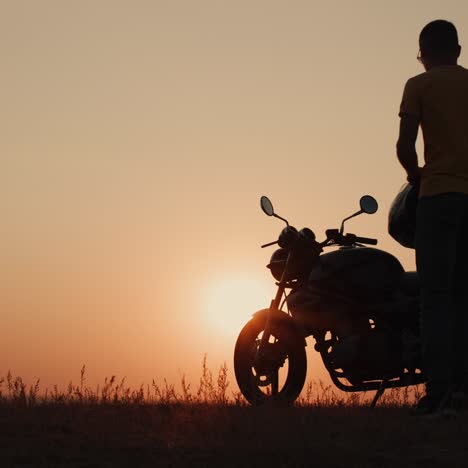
column 211, row 389
column 158, row 425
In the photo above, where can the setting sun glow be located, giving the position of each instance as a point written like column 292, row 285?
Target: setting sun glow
column 231, row 300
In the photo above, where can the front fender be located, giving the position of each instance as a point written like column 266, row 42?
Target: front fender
column 279, row 317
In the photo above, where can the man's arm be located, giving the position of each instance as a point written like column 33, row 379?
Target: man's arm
column 406, row 147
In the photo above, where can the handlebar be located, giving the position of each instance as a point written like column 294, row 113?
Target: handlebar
column 269, row 243
column 348, row 239
column 337, row 239
column 366, row 240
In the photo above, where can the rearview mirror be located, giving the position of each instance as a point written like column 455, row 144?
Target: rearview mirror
column 368, row 204
column 267, row 206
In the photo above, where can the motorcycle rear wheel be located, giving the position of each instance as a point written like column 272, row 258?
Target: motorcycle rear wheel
column 285, row 347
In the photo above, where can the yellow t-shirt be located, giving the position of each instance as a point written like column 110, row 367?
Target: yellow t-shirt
column 439, row 99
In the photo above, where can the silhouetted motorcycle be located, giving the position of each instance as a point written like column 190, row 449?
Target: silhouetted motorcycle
column 357, row 302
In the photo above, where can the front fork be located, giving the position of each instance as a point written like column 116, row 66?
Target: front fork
column 274, row 305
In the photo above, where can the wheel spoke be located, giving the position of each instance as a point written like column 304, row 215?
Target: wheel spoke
column 277, row 373
column 274, row 382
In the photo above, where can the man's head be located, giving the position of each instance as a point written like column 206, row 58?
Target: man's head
column 438, row 44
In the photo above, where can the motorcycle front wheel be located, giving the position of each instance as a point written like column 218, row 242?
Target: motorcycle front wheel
column 279, row 374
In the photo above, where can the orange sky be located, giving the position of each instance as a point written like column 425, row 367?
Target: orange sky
column 137, row 138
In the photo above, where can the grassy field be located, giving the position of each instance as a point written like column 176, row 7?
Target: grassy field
column 157, row 426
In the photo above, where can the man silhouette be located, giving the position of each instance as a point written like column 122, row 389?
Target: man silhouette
column 437, row 100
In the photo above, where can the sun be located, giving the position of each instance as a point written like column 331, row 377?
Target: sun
column 230, row 301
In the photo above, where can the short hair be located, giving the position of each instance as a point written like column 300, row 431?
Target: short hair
column 439, row 36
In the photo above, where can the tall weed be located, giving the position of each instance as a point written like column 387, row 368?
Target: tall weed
column 210, row 390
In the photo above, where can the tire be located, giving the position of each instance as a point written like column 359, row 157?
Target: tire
column 287, row 343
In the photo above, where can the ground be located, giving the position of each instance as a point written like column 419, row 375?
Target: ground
column 205, row 435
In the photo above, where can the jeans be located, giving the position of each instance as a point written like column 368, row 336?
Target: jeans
column 442, row 263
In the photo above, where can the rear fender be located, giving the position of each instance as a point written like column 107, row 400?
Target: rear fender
column 279, row 317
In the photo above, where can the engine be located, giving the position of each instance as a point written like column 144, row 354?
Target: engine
column 376, row 355
column 373, row 356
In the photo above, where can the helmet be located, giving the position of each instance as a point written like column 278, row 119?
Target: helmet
column 402, row 215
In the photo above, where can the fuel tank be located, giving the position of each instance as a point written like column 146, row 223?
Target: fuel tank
column 359, row 272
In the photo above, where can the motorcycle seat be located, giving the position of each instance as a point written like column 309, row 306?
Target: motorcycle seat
column 410, row 283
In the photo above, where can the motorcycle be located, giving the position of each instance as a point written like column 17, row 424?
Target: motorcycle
column 358, row 304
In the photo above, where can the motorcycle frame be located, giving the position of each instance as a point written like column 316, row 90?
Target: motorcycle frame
column 380, row 386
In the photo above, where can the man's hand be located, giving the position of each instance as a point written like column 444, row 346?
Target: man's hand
column 414, row 177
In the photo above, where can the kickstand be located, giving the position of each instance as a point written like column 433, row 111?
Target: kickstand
column 379, row 393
